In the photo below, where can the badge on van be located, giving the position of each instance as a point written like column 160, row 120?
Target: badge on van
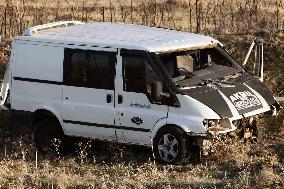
column 245, row 99
column 137, row 120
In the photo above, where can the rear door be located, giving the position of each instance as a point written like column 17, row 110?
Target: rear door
column 5, row 87
column 88, row 93
column 136, row 112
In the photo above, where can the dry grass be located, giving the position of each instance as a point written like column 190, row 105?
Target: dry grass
column 217, row 16
column 231, row 163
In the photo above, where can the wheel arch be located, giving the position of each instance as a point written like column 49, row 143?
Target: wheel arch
column 46, row 128
column 162, row 124
column 45, row 112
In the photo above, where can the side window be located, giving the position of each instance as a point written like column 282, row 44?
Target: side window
column 101, row 70
column 139, row 76
column 150, row 78
column 92, row 69
column 78, row 68
column 134, row 74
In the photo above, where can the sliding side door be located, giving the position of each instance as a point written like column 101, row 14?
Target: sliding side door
column 88, row 93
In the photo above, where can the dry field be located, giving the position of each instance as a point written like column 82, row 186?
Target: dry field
column 230, row 164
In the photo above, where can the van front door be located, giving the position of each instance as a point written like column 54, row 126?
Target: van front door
column 88, row 93
column 136, row 113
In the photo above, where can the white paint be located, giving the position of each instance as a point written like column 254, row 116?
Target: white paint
column 35, row 29
column 40, row 56
column 43, row 62
column 120, row 35
column 88, row 105
column 191, row 114
column 135, row 105
column 263, row 102
column 5, row 86
column 6, row 83
column 32, row 96
column 249, row 52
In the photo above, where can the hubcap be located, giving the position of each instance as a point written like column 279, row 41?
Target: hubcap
column 168, row 147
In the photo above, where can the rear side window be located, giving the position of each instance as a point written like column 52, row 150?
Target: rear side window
column 92, row 69
column 78, row 68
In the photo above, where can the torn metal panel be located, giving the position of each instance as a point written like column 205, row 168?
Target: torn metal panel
column 198, row 47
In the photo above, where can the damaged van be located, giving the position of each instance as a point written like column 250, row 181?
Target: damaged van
column 130, row 84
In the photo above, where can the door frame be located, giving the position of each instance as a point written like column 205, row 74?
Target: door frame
column 66, row 83
column 119, row 90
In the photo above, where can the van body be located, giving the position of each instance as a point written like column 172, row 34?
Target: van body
column 131, row 84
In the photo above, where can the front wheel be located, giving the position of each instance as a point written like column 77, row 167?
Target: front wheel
column 171, row 146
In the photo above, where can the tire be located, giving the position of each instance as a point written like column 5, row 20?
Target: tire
column 49, row 136
column 171, row 146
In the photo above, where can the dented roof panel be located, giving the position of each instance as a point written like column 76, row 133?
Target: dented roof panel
column 119, row 35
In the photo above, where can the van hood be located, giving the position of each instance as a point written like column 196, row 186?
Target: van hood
column 232, row 100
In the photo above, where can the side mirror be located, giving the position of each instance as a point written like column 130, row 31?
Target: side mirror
column 156, row 91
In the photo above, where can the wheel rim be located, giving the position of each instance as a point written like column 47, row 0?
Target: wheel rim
column 168, row 147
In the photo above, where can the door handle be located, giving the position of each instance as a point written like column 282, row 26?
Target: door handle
column 120, row 99
column 109, row 98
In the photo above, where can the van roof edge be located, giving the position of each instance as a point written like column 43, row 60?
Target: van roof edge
column 35, row 29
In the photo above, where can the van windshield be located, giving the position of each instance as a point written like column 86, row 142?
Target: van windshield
column 188, row 68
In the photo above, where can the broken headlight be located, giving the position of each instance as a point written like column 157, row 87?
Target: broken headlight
column 238, row 123
column 217, row 125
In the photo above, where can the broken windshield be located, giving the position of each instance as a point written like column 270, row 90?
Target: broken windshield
column 192, row 67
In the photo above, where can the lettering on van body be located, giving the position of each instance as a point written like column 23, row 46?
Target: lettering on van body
column 136, row 105
column 245, row 99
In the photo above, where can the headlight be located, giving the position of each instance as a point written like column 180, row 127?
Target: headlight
column 211, row 123
column 217, row 125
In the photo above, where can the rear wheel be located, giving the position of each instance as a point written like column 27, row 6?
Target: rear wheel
column 49, row 136
column 171, row 146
